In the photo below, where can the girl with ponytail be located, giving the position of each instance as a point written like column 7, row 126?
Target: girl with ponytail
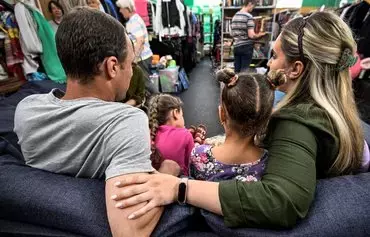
column 244, row 112
column 170, row 139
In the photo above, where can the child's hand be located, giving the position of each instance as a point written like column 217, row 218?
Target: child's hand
column 170, row 167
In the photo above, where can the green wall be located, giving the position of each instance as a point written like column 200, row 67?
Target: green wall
column 319, row 3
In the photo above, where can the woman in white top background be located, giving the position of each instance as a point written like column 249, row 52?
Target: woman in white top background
column 138, row 33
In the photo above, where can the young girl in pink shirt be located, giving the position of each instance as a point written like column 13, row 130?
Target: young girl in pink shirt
column 170, row 139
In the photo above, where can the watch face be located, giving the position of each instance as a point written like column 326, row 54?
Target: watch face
column 182, row 193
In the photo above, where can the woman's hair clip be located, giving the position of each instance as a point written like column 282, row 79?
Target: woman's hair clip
column 233, row 81
column 347, row 60
column 276, row 78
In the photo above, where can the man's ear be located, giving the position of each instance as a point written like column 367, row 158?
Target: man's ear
column 296, row 70
column 111, row 67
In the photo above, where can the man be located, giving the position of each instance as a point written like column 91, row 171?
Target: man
column 242, row 30
column 84, row 132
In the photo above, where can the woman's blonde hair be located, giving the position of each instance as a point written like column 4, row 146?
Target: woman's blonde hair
column 324, row 37
column 129, row 4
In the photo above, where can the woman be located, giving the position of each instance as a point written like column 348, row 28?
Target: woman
column 57, row 13
column 314, row 133
column 138, row 33
column 95, row 4
column 135, row 95
column 242, row 30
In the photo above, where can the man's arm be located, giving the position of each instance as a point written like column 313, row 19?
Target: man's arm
column 118, row 218
column 127, row 148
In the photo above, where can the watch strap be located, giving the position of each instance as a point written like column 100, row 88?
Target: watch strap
column 182, row 192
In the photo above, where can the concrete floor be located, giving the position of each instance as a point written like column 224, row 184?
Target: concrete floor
column 201, row 100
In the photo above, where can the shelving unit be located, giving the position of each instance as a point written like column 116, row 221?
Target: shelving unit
column 227, row 13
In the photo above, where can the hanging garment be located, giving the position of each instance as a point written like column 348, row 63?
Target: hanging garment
column 13, row 52
column 152, row 12
column 170, row 14
column 357, row 18
column 49, row 57
column 111, row 9
column 364, row 39
column 142, row 9
column 344, row 12
column 30, row 42
column 150, row 16
column 188, row 22
column 11, row 26
column 161, row 26
column 101, row 8
column 104, row 6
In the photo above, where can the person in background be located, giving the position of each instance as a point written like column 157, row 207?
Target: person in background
column 57, row 14
column 242, row 30
column 136, row 93
column 138, row 33
column 95, row 4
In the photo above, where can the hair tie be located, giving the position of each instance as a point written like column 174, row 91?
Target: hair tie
column 347, row 60
column 273, row 87
column 233, row 81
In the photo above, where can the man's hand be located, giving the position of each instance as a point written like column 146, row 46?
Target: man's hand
column 261, row 34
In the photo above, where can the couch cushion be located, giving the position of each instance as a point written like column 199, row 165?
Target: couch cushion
column 37, row 197
column 341, row 208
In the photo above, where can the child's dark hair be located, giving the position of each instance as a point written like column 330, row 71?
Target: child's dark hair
column 246, row 2
column 160, row 107
column 57, row 4
column 247, row 100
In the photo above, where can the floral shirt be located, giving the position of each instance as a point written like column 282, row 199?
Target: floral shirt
column 203, row 166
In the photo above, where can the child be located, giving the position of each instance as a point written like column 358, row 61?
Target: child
column 170, row 139
column 246, row 106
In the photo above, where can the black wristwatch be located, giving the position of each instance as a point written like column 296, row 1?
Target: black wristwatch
column 182, row 193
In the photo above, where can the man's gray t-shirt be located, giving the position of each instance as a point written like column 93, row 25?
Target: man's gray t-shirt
column 86, row 137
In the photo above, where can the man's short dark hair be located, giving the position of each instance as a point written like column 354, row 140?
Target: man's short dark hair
column 246, row 2
column 57, row 4
column 85, row 38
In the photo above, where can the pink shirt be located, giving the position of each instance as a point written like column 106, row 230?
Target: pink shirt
column 175, row 144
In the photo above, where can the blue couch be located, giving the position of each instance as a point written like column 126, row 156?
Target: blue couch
column 38, row 203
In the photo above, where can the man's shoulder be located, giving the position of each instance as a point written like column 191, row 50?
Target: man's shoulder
column 32, row 100
column 93, row 111
column 244, row 14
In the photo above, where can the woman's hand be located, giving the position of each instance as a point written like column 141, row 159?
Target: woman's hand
column 155, row 189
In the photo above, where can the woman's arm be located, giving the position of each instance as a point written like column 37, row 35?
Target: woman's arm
column 287, row 187
column 205, row 195
column 139, row 45
column 282, row 196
